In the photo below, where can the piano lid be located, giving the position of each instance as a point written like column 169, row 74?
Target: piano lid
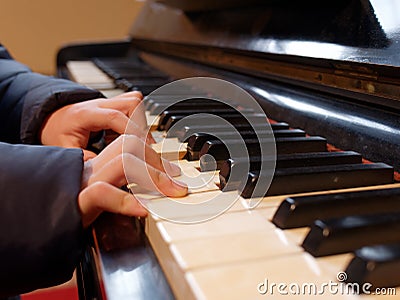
column 351, row 45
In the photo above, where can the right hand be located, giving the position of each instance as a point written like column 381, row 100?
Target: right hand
column 104, row 175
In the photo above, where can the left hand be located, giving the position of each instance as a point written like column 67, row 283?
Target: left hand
column 127, row 159
column 71, row 125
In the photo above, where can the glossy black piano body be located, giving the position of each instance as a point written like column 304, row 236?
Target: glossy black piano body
column 331, row 69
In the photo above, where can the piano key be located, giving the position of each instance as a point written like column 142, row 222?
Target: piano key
column 164, row 99
column 144, row 81
column 223, row 111
column 231, row 248
column 194, row 104
column 219, row 150
column 131, row 86
column 233, row 118
column 170, row 149
column 197, row 140
column 86, row 73
column 183, row 132
column 285, row 161
column 318, row 178
column 340, row 235
column 281, row 133
column 303, row 211
column 377, row 265
column 230, row 223
column 254, row 279
column 134, row 73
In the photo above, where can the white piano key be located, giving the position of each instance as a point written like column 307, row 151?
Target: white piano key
column 211, row 251
column 225, row 224
column 87, row 73
column 282, row 276
column 152, row 121
column 170, row 149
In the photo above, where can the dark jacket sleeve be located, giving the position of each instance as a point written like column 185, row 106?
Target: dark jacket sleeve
column 27, row 98
column 41, row 235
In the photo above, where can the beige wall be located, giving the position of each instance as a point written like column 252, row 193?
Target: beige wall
column 33, row 30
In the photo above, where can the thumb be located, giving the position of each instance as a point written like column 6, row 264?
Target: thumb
column 102, row 196
column 88, row 155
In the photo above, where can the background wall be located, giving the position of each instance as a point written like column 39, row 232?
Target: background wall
column 33, row 31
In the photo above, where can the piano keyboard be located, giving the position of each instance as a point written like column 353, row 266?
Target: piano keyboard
column 281, row 246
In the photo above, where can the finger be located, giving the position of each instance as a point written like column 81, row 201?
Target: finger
column 132, row 144
column 124, row 104
column 150, row 178
column 138, row 117
column 140, row 149
column 136, row 94
column 88, row 155
column 150, row 139
column 102, row 196
column 105, row 118
column 127, row 168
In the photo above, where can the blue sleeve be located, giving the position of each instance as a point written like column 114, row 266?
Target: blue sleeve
column 41, row 237
column 27, row 98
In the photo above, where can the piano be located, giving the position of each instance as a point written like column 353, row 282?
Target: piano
column 330, row 222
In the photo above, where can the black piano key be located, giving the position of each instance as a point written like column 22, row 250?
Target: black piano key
column 158, row 108
column 319, row 178
column 288, row 133
column 164, row 99
column 377, row 265
column 131, row 86
column 219, row 150
column 224, row 111
column 197, row 140
column 133, row 74
column 182, row 133
column 141, row 74
column 233, row 118
column 304, row 210
column 285, row 161
column 194, row 105
column 166, row 115
column 145, row 82
column 341, row 235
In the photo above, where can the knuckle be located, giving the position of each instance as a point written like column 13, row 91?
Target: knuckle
column 99, row 188
column 113, row 115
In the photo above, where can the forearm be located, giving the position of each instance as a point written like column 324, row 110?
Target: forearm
column 42, row 236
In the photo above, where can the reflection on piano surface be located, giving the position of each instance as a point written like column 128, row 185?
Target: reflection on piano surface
column 326, row 74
